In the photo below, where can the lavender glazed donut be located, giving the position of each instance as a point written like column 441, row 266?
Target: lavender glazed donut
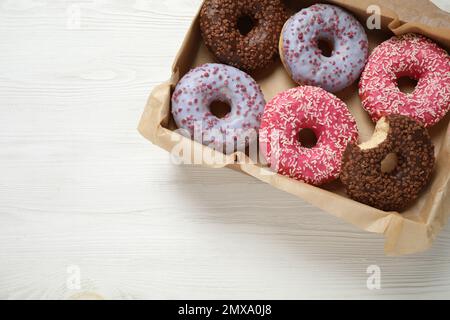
column 212, row 82
column 305, row 61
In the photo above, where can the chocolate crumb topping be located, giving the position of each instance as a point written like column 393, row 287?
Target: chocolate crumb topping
column 362, row 172
column 249, row 49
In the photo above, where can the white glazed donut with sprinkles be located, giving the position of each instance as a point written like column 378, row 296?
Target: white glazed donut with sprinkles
column 217, row 82
column 413, row 56
column 304, row 60
column 311, row 108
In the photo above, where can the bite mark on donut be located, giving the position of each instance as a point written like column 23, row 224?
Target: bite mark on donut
column 379, row 136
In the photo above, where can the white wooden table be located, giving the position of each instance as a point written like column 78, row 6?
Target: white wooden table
column 84, row 197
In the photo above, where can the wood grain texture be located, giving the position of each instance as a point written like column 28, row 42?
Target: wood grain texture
column 80, row 187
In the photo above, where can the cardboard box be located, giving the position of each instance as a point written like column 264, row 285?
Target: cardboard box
column 411, row 231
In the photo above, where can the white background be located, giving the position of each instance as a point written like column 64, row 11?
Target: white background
column 81, row 191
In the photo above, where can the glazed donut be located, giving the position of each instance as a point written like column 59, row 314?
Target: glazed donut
column 304, row 60
column 363, row 174
column 300, row 108
column 219, row 24
column 416, row 57
column 212, row 82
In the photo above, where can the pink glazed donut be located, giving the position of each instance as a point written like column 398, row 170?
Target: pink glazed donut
column 300, row 108
column 211, row 82
column 414, row 56
column 305, row 61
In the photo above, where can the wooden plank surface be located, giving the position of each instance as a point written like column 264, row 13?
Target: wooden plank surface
column 82, row 195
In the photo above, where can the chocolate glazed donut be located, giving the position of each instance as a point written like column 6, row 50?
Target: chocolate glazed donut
column 369, row 180
column 243, row 33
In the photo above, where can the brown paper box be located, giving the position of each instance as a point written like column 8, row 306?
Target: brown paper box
column 412, row 231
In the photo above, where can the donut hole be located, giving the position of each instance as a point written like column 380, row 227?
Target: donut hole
column 406, row 84
column 245, row 24
column 307, row 138
column 219, row 109
column 389, row 163
column 325, row 46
